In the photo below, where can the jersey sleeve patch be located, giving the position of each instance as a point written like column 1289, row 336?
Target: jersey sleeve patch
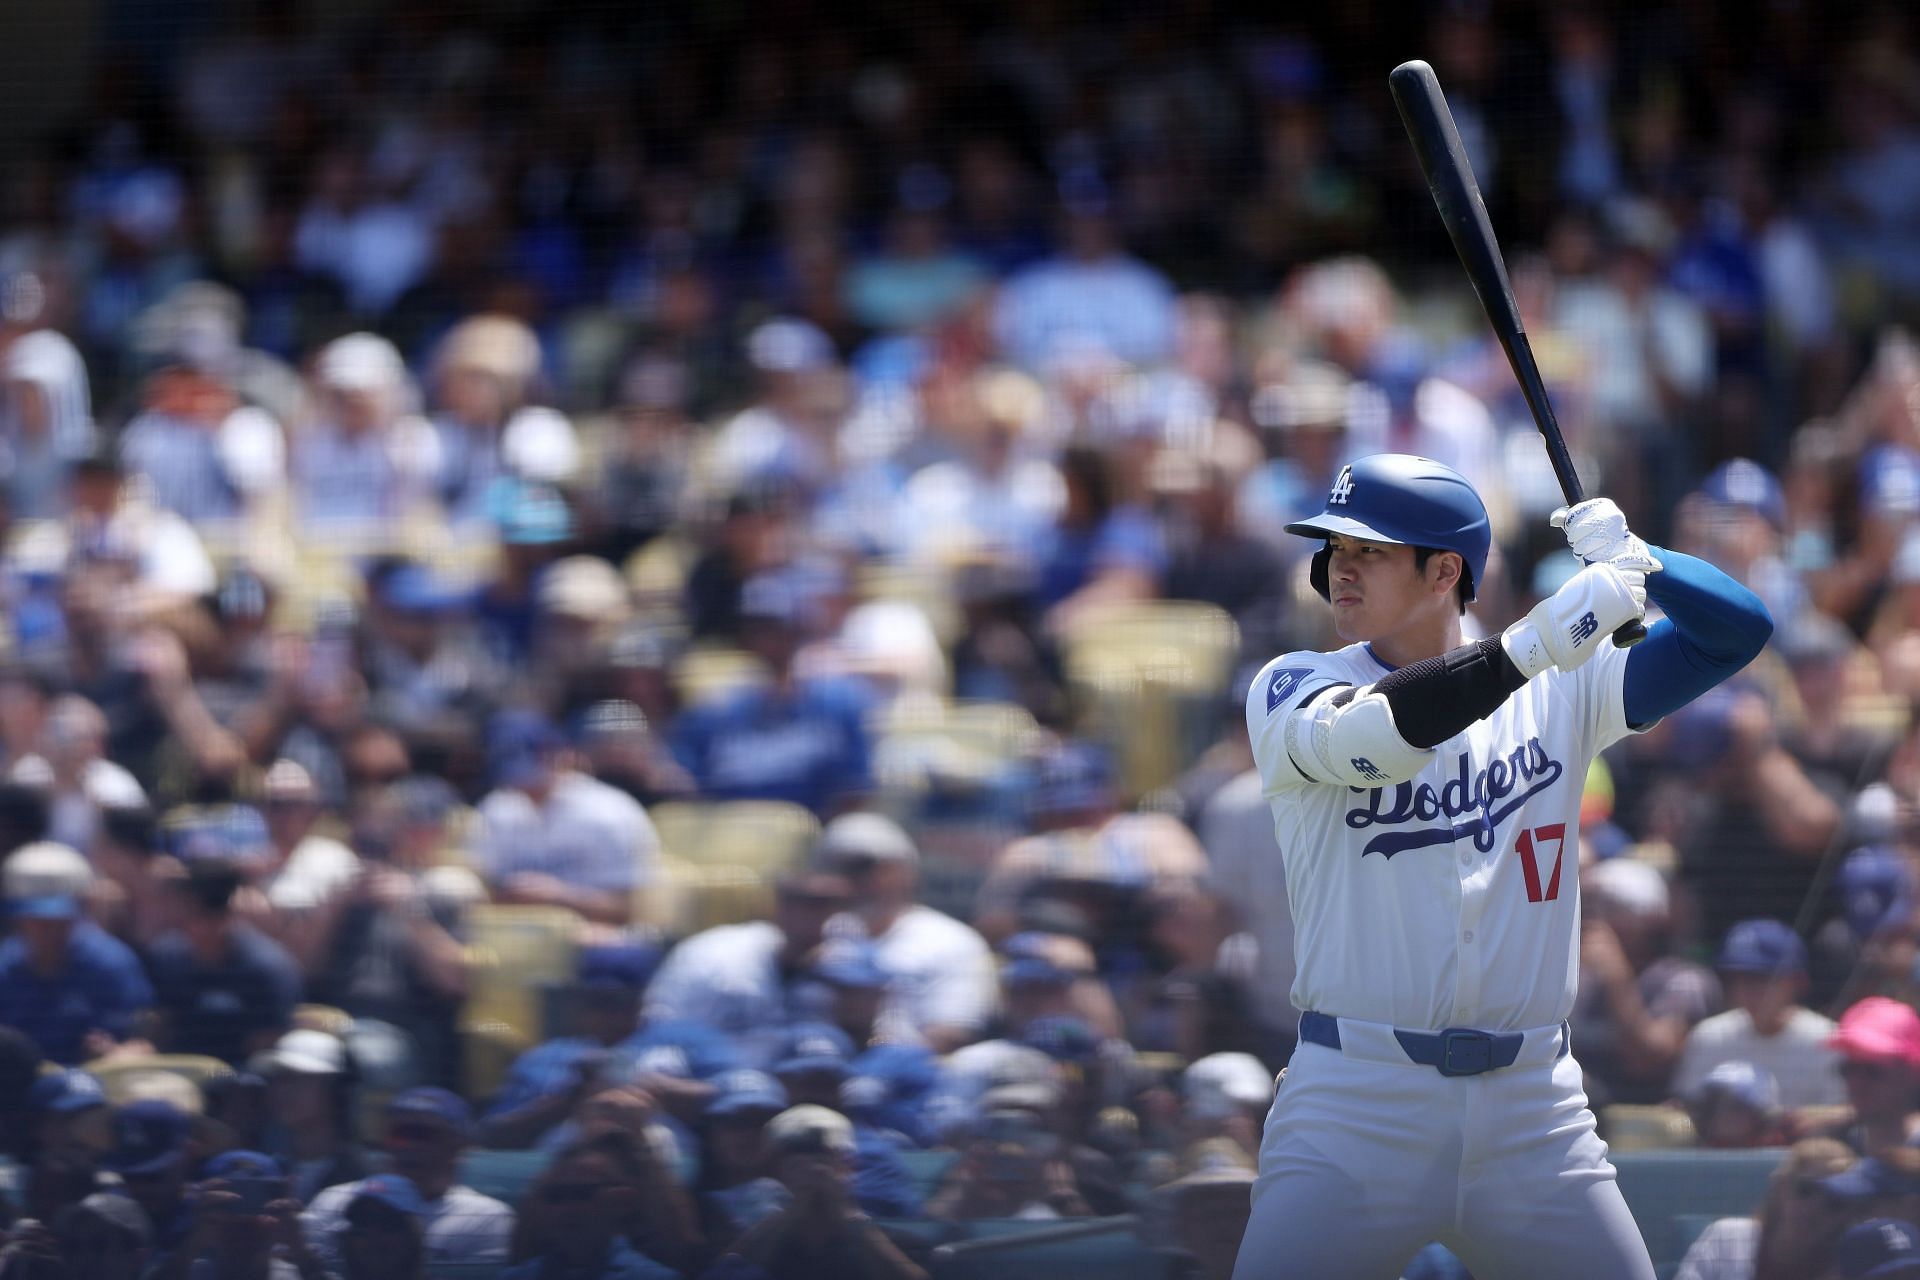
column 1283, row 683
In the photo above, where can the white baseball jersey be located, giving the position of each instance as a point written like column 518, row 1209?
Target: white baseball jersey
column 1450, row 900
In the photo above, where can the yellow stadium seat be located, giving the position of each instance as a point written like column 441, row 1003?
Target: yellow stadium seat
column 1632, row 1127
column 323, row 1017
column 515, row 951
column 765, row 836
column 119, row 1076
column 1150, row 675
column 704, row 675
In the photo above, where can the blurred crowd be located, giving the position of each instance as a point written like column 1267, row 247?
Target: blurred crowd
column 671, row 593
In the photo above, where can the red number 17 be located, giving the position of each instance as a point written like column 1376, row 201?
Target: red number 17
column 1554, row 834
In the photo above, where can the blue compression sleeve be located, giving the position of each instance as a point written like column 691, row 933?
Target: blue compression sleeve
column 1714, row 626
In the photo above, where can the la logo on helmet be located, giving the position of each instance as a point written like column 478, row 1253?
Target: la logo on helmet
column 1342, row 488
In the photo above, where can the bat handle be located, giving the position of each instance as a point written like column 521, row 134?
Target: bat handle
column 1629, row 634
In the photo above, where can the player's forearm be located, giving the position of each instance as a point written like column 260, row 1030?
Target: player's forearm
column 1713, row 628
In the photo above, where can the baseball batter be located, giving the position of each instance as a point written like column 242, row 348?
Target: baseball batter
column 1426, row 795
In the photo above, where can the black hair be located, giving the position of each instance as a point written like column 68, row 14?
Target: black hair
column 1463, row 589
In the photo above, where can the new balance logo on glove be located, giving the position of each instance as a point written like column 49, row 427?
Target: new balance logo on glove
column 1583, row 628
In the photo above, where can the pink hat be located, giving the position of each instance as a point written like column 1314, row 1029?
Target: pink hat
column 1879, row 1029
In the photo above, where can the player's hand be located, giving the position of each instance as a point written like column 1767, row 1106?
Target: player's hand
column 1597, row 532
column 1573, row 623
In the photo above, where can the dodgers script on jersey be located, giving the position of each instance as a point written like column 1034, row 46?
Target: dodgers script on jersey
column 1452, row 899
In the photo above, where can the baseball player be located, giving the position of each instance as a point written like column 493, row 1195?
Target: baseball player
column 1426, row 793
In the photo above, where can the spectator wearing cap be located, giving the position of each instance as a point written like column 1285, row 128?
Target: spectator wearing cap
column 482, row 372
column 621, row 748
column 129, row 542
column 151, row 1150
column 672, row 1059
column 222, row 987
column 1793, row 1231
column 916, row 277
column 311, row 1098
column 1637, row 999
column 1763, row 972
column 46, row 418
column 552, row 834
column 306, row 868
column 941, row 971
column 1736, row 1105
column 241, row 1216
column 1011, row 1165
column 1091, row 292
column 1878, row 1041
column 787, row 432
column 383, row 1234
column 63, row 980
column 106, row 1236
column 1227, row 1094
column 1211, row 556
column 850, row 992
column 367, row 459
column 574, row 1217
column 69, row 766
column 735, row 1188
column 821, row 1231
column 1869, row 947
column 201, row 452
column 427, row 1130
column 644, row 455
column 1878, row 1249
column 67, row 1134
column 427, row 673
column 747, row 980
column 1053, row 975
column 1734, row 521
column 813, row 1067
column 788, row 737
column 1302, row 417
column 389, row 948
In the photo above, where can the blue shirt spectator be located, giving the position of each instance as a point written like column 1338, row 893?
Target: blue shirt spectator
column 64, row 981
column 807, row 744
column 223, row 988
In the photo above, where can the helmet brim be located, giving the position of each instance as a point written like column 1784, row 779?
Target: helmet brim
column 1326, row 524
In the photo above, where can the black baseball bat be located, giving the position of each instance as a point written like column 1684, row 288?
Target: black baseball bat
column 1423, row 109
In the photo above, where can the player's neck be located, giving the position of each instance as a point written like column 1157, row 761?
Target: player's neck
column 1421, row 639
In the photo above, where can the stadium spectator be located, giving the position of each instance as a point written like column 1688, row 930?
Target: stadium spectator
column 747, row 980
column 151, row 1150
column 821, row 1231
column 940, row 970
column 221, row 987
column 574, row 1216
column 736, row 1188
column 383, row 1236
column 1637, row 999
column 552, row 834
column 107, row 1235
column 1879, row 1247
column 1879, row 1045
column 427, row 1129
column 1736, row 1105
column 366, row 461
column 67, row 1133
column 1763, row 972
column 78, row 991
column 1791, row 1233
column 311, row 1111
column 788, row 737
column 46, row 422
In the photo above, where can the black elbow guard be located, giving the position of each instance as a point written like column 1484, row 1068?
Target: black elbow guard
column 1435, row 698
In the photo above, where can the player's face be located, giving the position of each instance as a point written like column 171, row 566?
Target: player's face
column 1376, row 590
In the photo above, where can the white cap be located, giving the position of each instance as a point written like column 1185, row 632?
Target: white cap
column 306, row 1052
column 360, row 362
column 808, row 1128
column 46, row 869
column 539, row 443
column 584, row 587
column 1220, row 1082
column 789, row 346
column 1629, row 885
column 866, row 835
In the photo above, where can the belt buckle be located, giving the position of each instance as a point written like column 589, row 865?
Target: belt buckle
column 1465, row 1052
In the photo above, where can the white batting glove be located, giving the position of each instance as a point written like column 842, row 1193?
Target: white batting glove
column 1573, row 623
column 1598, row 534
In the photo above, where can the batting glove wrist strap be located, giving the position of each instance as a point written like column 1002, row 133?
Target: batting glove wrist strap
column 1569, row 626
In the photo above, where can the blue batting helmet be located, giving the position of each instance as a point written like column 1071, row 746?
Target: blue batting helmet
column 1400, row 498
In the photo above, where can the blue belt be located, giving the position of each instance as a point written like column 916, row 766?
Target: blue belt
column 1457, row 1051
